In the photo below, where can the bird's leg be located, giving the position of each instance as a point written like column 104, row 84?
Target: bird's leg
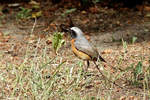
column 86, row 69
column 88, row 64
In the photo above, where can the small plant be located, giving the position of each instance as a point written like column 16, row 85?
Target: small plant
column 137, row 72
column 96, row 1
column 2, row 15
column 113, row 39
column 124, row 43
column 68, row 11
column 24, row 13
column 57, row 41
column 134, row 39
column 1, row 18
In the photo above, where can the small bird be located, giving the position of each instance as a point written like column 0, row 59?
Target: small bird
column 82, row 48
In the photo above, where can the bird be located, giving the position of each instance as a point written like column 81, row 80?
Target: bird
column 82, row 48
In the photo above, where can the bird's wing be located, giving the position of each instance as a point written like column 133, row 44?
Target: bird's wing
column 84, row 46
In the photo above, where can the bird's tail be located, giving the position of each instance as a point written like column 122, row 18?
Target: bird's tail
column 102, row 59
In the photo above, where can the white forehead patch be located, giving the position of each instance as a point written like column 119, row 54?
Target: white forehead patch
column 77, row 30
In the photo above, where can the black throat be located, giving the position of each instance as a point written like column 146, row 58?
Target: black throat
column 73, row 34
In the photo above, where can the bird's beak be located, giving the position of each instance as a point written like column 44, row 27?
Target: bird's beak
column 64, row 28
column 68, row 31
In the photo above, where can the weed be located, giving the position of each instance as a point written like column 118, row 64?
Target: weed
column 68, row 11
column 24, row 13
column 96, row 1
column 138, row 70
column 134, row 39
column 137, row 74
column 57, row 41
column 124, row 43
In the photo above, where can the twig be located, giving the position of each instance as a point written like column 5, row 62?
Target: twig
column 33, row 26
column 113, row 67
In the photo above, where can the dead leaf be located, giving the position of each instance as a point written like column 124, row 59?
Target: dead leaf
column 32, row 2
column 94, row 9
column 139, row 7
column 97, row 82
column 37, row 14
column 89, row 86
column 107, row 51
column 48, row 41
column 132, row 98
column 14, row 5
column 147, row 8
column 147, row 15
column 1, row 34
column 53, row 26
column 83, row 12
column 122, row 98
column 85, row 21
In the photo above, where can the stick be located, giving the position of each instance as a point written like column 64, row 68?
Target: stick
column 33, row 26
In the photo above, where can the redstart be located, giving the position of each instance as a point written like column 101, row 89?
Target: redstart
column 82, row 48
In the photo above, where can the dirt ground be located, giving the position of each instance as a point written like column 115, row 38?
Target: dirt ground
column 105, row 28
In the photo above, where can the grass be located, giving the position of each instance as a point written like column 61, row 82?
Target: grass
column 43, row 76
column 24, row 13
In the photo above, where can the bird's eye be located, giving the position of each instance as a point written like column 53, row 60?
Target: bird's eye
column 73, row 34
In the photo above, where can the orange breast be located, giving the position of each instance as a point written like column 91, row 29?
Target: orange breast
column 78, row 53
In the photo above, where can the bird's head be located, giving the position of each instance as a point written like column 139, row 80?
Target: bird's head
column 75, row 32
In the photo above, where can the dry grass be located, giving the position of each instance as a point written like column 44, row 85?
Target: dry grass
column 39, row 74
column 30, row 70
